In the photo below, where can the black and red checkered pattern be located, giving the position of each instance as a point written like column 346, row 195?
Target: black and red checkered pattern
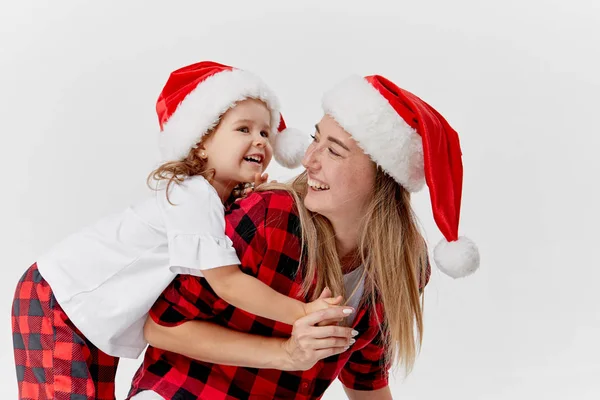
column 53, row 359
column 266, row 233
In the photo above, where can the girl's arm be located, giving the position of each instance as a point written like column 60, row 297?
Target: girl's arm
column 195, row 221
column 250, row 294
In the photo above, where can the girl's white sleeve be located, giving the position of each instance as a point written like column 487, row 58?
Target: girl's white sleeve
column 195, row 225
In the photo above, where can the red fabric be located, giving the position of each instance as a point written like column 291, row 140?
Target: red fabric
column 282, row 125
column 441, row 153
column 180, row 83
column 53, row 359
column 265, row 230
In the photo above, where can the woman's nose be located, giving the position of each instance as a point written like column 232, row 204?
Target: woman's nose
column 310, row 159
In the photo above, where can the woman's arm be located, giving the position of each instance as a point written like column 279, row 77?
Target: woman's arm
column 379, row 394
column 366, row 373
column 209, row 342
column 205, row 341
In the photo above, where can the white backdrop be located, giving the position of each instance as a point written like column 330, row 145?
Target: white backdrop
column 517, row 79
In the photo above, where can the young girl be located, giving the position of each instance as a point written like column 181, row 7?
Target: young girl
column 85, row 302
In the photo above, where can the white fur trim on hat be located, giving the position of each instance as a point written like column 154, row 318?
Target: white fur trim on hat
column 457, row 259
column 365, row 114
column 289, row 147
column 201, row 109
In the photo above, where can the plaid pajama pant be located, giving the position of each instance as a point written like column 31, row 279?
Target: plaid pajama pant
column 53, row 359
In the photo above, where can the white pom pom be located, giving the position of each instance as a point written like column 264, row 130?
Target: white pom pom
column 289, row 146
column 456, row 259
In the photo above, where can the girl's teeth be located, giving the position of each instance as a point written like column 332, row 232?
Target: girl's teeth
column 257, row 159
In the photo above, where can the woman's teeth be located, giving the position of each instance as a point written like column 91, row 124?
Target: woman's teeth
column 317, row 185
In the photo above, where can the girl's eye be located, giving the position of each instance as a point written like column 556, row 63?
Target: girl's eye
column 314, row 137
column 264, row 134
column 244, row 129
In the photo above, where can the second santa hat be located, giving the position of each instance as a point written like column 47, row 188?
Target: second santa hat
column 415, row 145
column 196, row 96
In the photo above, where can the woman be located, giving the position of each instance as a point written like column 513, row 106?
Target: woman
column 375, row 145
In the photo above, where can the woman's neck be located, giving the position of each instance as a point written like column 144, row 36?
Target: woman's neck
column 346, row 242
column 350, row 261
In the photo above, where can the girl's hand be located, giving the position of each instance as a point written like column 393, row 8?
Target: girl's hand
column 310, row 343
column 244, row 189
column 323, row 302
column 260, row 179
column 326, row 294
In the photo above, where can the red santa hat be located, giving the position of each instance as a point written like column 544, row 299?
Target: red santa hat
column 415, row 145
column 196, row 96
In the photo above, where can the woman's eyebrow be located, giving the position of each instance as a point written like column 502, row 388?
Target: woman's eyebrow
column 338, row 142
column 334, row 140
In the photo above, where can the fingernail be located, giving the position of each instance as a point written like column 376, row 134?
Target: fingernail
column 347, row 311
column 354, row 333
column 352, row 341
column 346, row 348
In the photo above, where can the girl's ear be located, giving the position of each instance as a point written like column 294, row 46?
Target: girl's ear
column 201, row 151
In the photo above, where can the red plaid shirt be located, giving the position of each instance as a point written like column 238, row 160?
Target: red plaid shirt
column 265, row 230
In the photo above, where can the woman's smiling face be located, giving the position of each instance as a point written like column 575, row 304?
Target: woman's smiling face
column 340, row 175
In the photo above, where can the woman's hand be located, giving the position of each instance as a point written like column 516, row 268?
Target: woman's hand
column 310, row 343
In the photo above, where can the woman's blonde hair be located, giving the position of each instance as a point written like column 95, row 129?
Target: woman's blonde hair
column 393, row 254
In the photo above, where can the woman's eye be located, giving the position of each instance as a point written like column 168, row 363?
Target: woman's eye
column 333, row 152
column 314, row 137
column 244, row 129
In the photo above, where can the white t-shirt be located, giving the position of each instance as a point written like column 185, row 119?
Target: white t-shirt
column 107, row 276
column 354, row 284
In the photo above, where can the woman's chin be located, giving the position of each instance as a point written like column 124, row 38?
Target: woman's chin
column 314, row 201
column 308, row 202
